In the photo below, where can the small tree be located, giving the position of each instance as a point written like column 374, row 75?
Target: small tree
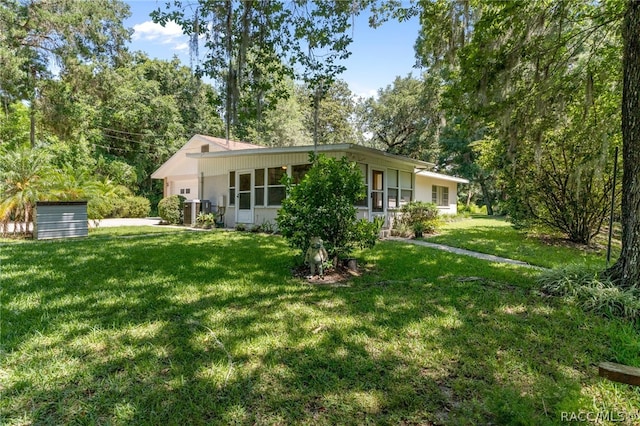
column 323, row 205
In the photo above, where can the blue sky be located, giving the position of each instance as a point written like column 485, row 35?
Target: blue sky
column 378, row 55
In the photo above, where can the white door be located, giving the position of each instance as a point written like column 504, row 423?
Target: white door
column 244, row 202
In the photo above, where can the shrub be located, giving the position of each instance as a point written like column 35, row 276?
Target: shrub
column 171, row 209
column 138, row 207
column 322, row 205
column 205, row 220
column 588, row 289
column 421, row 217
column 119, row 207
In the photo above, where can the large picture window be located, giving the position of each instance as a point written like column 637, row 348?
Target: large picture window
column 275, row 189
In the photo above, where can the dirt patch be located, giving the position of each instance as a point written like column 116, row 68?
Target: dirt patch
column 339, row 275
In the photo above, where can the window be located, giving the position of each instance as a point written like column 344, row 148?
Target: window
column 440, row 195
column 365, row 201
column 406, row 188
column 181, row 191
column 204, row 148
column 232, row 188
column 392, row 190
column 187, row 191
column 377, row 190
column 298, row 172
column 259, row 187
column 275, row 189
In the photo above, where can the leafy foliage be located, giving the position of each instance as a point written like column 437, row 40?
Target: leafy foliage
column 421, row 217
column 171, row 209
column 405, row 118
column 322, row 205
column 589, row 289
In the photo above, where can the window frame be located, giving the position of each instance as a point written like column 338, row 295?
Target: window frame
column 279, row 185
column 438, row 192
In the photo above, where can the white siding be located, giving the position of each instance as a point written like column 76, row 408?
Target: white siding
column 424, row 189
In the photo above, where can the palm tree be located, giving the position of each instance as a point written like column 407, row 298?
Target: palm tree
column 22, row 181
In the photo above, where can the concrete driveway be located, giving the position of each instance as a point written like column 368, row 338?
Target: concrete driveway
column 110, row 223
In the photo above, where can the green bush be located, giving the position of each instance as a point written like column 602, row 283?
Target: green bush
column 322, row 205
column 171, row 209
column 587, row 288
column 420, row 217
column 119, row 207
column 205, row 220
column 138, row 207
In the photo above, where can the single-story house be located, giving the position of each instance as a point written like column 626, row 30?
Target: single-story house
column 245, row 178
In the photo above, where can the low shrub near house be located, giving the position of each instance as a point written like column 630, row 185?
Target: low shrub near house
column 420, row 217
column 171, row 209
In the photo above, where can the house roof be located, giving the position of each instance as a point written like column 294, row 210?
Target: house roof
column 441, row 176
column 179, row 164
column 226, row 145
column 184, row 161
column 308, row 148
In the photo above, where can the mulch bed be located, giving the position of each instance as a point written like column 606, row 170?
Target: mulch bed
column 339, row 275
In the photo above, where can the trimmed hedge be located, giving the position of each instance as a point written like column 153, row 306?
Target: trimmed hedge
column 171, row 209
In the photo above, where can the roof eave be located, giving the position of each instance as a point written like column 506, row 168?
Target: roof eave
column 309, row 148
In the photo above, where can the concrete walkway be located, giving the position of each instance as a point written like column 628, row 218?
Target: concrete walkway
column 455, row 250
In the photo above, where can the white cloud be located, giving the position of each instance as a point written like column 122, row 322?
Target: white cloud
column 150, row 31
column 180, row 47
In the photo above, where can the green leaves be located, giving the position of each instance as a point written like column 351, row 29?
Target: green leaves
column 322, row 205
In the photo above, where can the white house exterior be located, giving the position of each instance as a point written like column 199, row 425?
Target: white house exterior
column 180, row 172
column 245, row 178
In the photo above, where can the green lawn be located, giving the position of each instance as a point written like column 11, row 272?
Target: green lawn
column 495, row 235
column 210, row 328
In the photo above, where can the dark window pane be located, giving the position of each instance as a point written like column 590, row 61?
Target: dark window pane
column 378, row 205
column 298, row 172
column 232, row 179
column 232, row 197
column 204, row 148
column 259, row 196
column 275, row 175
column 405, row 197
column 259, row 177
column 392, row 198
column 245, row 182
column 245, row 201
column 276, row 195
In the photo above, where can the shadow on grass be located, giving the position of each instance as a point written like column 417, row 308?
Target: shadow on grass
column 211, row 328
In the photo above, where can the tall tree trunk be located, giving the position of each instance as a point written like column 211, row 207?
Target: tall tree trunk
column 487, row 197
column 32, row 110
column 626, row 271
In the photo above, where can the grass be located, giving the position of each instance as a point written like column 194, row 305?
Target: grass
column 495, row 235
column 210, row 328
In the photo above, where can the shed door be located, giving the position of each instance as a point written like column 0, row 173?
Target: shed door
column 244, row 205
